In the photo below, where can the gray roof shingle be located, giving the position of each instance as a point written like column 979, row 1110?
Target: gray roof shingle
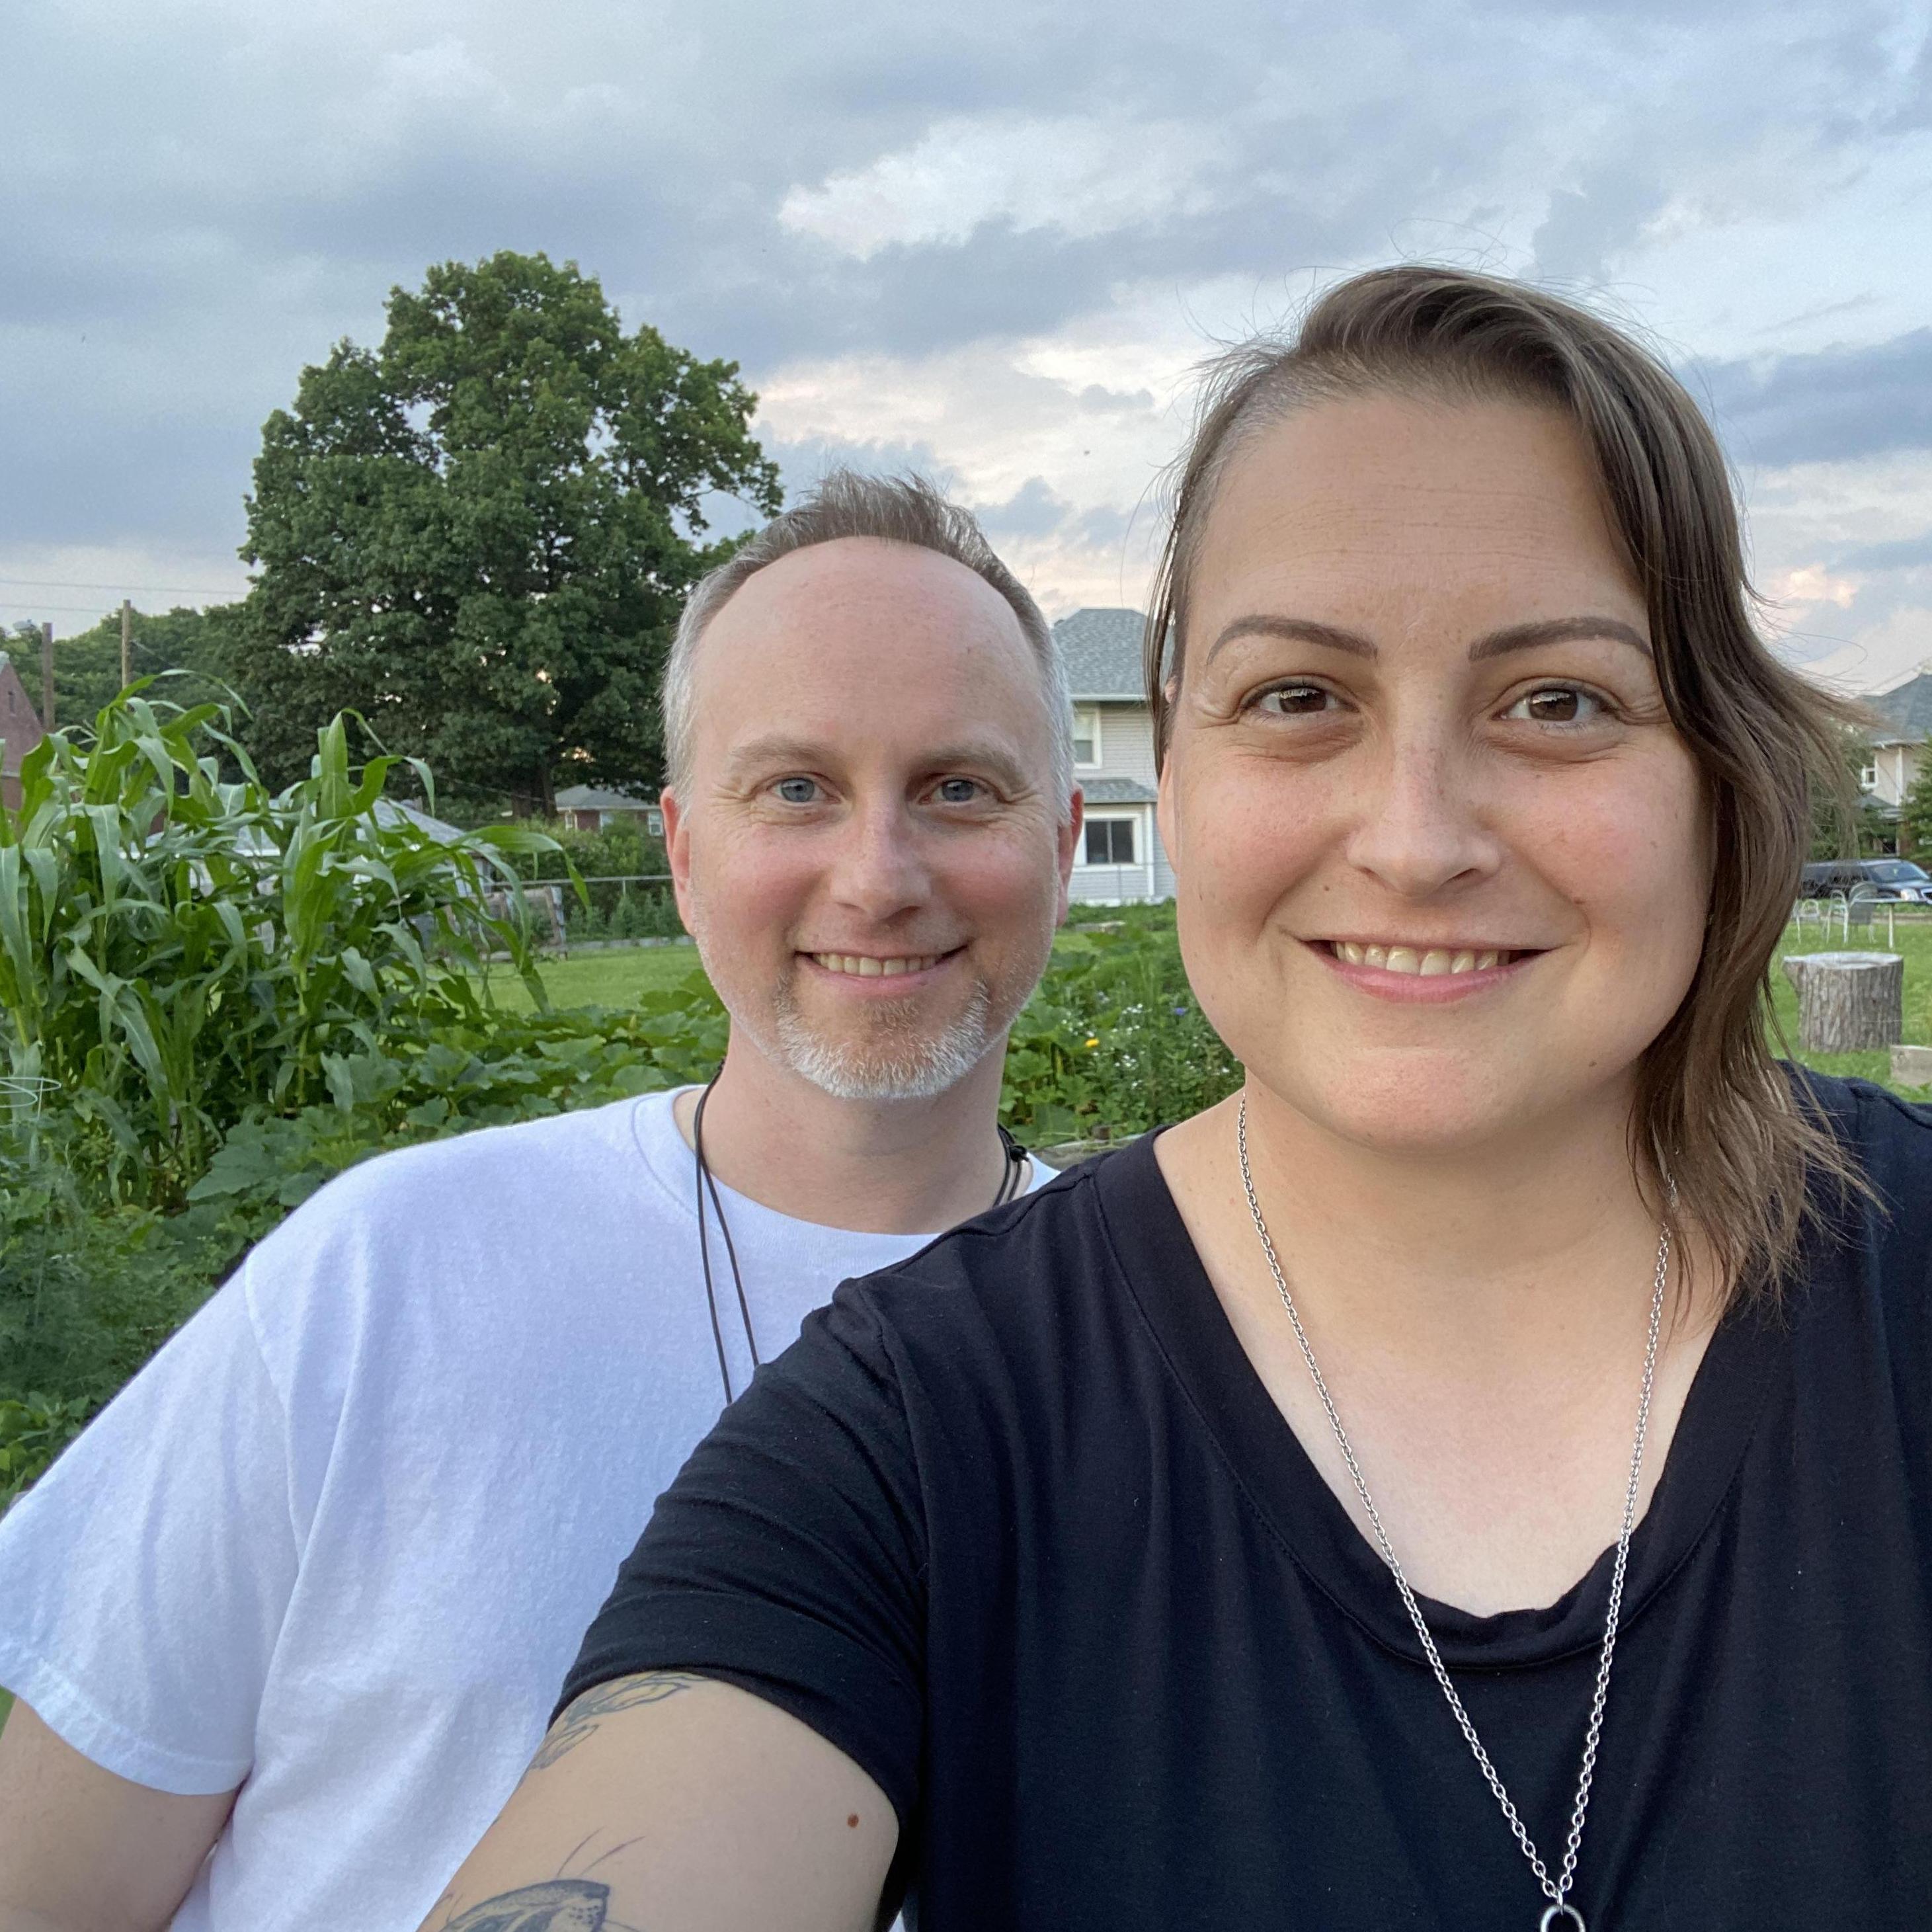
column 1101, row 651
column 1907, row 711
column 1117, row 791
column 597, row 798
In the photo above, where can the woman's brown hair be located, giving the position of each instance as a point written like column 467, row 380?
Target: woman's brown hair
column 1713, row 1112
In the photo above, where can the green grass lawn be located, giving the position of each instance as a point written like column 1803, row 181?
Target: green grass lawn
column 612, row 978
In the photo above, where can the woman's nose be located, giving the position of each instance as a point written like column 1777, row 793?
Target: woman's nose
column 1419, row 826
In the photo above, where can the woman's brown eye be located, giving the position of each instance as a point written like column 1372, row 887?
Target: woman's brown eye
column 1292, row 700
column 1560, row 704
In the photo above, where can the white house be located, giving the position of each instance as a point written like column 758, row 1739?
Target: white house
column 1119, row 860
column 1898, row 743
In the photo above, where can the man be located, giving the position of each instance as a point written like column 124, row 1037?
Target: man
column 306, row 1527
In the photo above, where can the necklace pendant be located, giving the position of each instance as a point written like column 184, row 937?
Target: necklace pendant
column 1561, row 1914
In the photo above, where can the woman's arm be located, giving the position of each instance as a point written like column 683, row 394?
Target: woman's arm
column 664, row 1800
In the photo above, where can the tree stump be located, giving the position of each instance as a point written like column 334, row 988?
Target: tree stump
column 1848, row 1002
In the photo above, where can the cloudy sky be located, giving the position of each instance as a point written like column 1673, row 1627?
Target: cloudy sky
column 990, row 240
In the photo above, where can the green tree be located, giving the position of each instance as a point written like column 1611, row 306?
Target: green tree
column 1846, row 821
column 480, row 535
column 87, row 665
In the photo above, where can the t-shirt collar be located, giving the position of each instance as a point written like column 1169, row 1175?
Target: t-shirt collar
column 1264, row 1457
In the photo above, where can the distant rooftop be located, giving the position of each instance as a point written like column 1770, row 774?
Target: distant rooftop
column 391, row 811
column 1101, row 649
column 597, row 798
column 1117, row 791
column 1906, row 708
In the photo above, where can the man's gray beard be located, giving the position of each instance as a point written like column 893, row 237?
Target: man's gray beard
column 912, row 1067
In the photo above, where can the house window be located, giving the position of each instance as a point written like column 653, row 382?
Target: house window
column 1868, row 778
column 1087, row 736
column 1110, row 842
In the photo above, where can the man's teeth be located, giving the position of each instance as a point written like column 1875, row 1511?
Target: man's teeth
column 1409, row 959
column 867, row 968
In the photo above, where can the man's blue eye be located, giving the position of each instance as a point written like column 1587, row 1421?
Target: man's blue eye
column 959, row 791
column 797, row 791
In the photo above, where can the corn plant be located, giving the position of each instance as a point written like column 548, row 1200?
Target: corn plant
column 181, row 949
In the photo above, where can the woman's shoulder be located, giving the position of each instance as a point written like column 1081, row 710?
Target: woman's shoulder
column 1876, row 1246
column 1890, row 1136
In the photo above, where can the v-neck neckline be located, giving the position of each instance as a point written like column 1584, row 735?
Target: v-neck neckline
column 1266, row 1460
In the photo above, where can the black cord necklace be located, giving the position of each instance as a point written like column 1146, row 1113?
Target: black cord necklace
column 1012, row 1178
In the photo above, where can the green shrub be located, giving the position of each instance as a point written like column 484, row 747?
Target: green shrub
column 620, row 849
column 444, row 1079
column 1114, row 1042
column 33, row 1431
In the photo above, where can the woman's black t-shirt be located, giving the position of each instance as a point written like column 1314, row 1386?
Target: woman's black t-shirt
column 1016, row 1526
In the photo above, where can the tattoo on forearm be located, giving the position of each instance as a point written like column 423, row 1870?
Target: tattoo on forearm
column 557, row 1905
column 621, row 1693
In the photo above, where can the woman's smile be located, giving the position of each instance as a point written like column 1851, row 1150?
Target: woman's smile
column 1421, row 974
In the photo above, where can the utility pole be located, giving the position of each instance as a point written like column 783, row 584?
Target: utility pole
column 127, row 644
column 47, row 676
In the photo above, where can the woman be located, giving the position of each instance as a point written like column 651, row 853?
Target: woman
column 1478, row 1475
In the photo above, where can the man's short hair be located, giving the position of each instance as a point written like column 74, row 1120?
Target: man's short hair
column 893, row 509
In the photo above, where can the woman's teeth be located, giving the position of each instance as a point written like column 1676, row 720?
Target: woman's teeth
column 1410, row 959
column 867, row 968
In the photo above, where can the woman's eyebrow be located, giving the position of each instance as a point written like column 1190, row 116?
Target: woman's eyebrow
column 1557, row 630
column 1298, row 630
column 1497, row 643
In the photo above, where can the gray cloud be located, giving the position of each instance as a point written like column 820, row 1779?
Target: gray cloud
column 1033, row 510
column 1827, row 406
column 1585, row 225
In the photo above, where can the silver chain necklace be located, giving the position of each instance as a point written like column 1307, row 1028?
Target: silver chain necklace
column 1556, row 1890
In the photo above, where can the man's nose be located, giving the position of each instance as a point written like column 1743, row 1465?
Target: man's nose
column 1420, row 822
column 880, row 867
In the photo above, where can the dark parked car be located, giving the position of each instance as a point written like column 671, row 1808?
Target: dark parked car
column 1867, row 878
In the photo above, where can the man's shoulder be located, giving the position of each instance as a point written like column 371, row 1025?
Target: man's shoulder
column 493, row 1205
column 470, row 1169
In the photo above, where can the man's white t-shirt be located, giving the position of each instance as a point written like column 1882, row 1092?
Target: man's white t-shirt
column 338, row 1542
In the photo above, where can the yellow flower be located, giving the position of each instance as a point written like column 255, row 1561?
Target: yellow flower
column 1092, row 1041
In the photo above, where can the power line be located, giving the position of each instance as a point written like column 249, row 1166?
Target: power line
column 165, row 589
column 6, row 606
